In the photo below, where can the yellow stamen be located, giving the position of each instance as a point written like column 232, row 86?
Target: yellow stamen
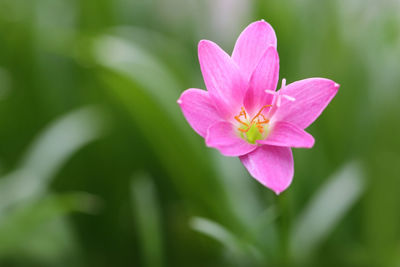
column 259, row 113
column 259, row 119
column 238, row 119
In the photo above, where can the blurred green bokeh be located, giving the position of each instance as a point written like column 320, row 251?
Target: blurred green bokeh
column 98, row 167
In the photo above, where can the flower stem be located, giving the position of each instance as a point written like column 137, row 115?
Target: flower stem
column 282, row 203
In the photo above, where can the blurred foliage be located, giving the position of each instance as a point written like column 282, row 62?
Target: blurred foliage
column 99, row 168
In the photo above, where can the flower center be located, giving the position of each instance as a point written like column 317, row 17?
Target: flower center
column 254, row 129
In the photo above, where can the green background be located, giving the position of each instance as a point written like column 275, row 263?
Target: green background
column 98, row 167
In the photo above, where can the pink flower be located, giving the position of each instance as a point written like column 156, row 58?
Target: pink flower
column 242, row 115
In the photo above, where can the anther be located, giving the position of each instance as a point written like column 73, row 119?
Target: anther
column 259, row 113
column 257, row 121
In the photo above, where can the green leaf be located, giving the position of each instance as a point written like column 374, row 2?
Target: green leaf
column 146, row 212
column 48, row 152
column 20, row 226
column 240, row 252
column 326, row 208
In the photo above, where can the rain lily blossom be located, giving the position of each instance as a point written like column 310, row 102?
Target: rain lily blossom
column 241, row 113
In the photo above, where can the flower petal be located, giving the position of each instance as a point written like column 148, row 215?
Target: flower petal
column 272, row 166
column 223, row 80
column 288, row 135
column 264, row 77
column 251, row 45
column 311, row 97
column 221, row 135
column 198, row 110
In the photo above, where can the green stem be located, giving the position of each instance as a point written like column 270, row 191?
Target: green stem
column 282, row 202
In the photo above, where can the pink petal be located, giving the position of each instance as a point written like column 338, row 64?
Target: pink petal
column 251, row 45
column 223, row 80
column 271, row 165
column 311, row 97
column 222, row 135
column 289, row 135
column 198, row 110
column 264, row 77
